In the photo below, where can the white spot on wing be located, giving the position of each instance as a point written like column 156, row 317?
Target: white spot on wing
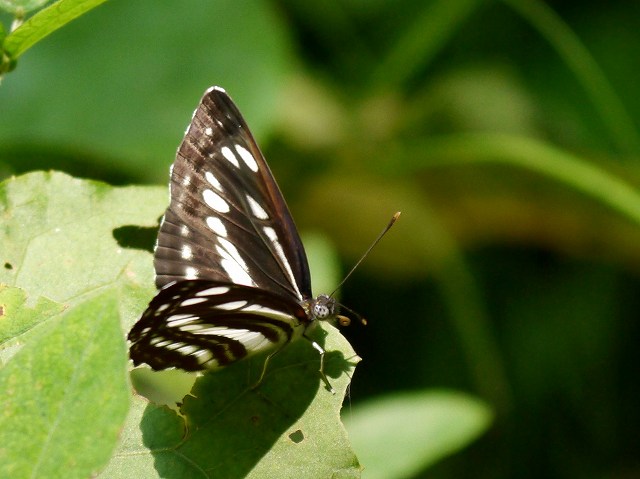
column 247, row 157
column 273, row 237
column 256, row 342
column 188, row 349
column 217, row 226
column 175, row 345
column 231, row 333
column 266, row 311
column 155, row 341
column 184, row 231
column 180, row 323
column 213, row 181
column 192, row 301
column 231, row 158
column 233, row 263
column 186, row 252
column 203, row 356
column 256, row 209
column 215, row 201
column 236, row 273
column 213, row 291
column 190, row 327
column 231, row 305
column 208, row 131
column 162, row 307
column 190, row 273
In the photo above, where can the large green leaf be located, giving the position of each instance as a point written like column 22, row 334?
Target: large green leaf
column 60, row 237
column 65, row 394
column 44, row 23
column 20, row 314
column 70, row 240
column 286, row 427
column 399, row 435
column 64, row 381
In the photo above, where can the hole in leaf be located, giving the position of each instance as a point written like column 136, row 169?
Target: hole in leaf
column 297, row 436
column 135, row 237
column 8, row 266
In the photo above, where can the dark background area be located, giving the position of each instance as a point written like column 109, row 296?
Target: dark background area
column 504, row 279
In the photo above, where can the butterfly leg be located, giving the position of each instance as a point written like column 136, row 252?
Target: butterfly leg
column 264, row 368
column 322, row 352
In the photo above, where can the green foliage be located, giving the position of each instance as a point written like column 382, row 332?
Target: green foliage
column 59, row 237
column 400, row 435
column 139, row 43
column 234, row 431
column 506, row 132
column 67, row 356
column 39, row 25
column 24, row 316
column 68, row 379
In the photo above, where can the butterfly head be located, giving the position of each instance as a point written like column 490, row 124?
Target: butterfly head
column 323, row 307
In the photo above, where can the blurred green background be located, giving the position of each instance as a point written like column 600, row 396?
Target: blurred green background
column 505, row 131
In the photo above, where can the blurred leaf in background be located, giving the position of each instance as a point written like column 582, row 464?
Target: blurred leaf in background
column 506, row 132
column 122, row 81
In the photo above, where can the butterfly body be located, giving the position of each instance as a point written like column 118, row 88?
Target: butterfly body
column 232, row 272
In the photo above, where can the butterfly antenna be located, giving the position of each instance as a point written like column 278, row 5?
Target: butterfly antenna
column 394, row 218
column 346, row 321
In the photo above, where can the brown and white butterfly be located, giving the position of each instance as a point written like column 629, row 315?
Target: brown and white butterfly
column 233, row 274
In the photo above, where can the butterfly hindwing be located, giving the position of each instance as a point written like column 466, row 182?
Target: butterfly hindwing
column 201, row 324
column 227, row 220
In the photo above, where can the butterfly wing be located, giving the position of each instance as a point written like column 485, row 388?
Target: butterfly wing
column 201, row 324
column 227, row 220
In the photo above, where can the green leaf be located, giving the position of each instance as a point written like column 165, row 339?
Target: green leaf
column 60, row 237
column 65, row 395
column 421, row 41
column 45, row 22
column 19, row 315
column 569, row 169
column 287, row 427
column 400, row 435
column 576, row 56
column 177, row 49
column 20, row 7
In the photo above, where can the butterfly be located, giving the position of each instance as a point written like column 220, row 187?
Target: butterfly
column 231, row 269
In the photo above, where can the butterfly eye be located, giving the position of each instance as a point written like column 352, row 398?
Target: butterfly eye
column 323, row 307
column 321, row 311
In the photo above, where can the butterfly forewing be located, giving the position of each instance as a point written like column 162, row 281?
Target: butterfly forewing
column 227, row 220
column 200, row 324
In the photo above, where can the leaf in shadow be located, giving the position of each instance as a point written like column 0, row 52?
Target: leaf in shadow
column 234, row 430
